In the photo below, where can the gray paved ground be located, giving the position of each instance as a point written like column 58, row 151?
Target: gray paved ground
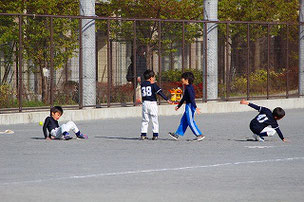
column 113, row 165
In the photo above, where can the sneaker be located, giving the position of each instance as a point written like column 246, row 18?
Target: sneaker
column 143, row 137
column 173, row 135
column 154, row 137
column 257, row 138
column 82, row 136
column 200, row 137
column 67, row 137
column 260, row 139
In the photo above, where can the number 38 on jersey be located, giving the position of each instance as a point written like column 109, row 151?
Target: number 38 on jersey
column 146, row 91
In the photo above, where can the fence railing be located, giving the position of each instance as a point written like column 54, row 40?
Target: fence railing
column 41, row 59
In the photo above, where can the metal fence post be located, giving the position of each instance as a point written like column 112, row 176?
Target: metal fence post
column 134, row 62
column 51, row 62
column 183, row 48
column 159, row 54
column 96, row 70
column 287, row 61
column 20, row 58
column 226, row 63
column 301, row 49
column 109, row 63
column 80, row 66
column 268, row 58
column 248, row 60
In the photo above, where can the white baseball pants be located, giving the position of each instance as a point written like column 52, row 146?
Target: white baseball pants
column 149, row 111
column 269, row 130
column 58, row 132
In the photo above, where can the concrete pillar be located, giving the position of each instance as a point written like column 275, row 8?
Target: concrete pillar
column 210, row 13
column 124, row 66
column 301, row 49
column 87, row 8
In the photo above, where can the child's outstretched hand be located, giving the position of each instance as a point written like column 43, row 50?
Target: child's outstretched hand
column 138, row 79
column 169, row 101
column 244, row 102
column 176, row 108
column 198, row 111
column 284, row 140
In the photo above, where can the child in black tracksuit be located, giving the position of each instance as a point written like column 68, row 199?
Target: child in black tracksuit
column 265, row 123
column 190, row 108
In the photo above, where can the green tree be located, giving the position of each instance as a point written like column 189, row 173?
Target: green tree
column 260, row 10
column 147, row 31
column 8, row 36
column 36, row 33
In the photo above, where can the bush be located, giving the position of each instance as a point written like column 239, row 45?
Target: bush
column 7, row 96
column 33, row 103
column 68, row 95
column 119, row 93
column 175, row 75
column 172, row 79
column 167, row 85
column 258, row 82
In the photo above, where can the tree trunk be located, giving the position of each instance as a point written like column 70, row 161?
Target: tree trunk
column 280, row 54
column 44, row 86
column 257, row 55
column 7, row 70
column 228, row 57
column 148, row 56
column 7, row 66
column 171, row 58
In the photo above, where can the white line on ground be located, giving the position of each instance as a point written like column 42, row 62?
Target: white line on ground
column 149, row 171
column 258, row 147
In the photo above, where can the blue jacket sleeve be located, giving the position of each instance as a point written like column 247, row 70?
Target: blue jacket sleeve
column 254, row 106
column 192, row 98
column 280, row 133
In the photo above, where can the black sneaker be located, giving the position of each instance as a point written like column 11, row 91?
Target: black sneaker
column 143, row 137
column 154, row 137
column 173, row 135
column 82, row 136
column 67, row 137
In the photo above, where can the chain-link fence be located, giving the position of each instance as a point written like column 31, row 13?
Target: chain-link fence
column 41, row 61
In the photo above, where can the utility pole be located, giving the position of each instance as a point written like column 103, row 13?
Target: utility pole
column 210, row 13
column 301, row 49
column 87, row 8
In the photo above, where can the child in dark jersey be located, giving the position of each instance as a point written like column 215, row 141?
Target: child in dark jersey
column 149, row 90
column 55, row 131
column 265, row 123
